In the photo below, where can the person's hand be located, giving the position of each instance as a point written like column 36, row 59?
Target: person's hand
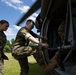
column 43, row 45
column 45, row 38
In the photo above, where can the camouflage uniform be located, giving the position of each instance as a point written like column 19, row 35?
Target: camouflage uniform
column 61, row 31
column 2, row 44
column 21, row 50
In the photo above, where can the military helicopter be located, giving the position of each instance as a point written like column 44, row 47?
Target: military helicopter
column 59, row 26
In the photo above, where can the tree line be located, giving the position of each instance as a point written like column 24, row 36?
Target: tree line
column 8, row 46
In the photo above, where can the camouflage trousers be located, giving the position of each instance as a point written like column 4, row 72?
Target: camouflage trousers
column 21, row 53
column 1, row 67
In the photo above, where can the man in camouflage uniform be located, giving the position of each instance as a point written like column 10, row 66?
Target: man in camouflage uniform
column 21, row 50
column 3, row 27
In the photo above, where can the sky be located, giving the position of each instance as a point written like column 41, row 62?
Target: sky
column 12, row 11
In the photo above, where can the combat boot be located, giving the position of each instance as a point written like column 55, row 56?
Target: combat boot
column 53, row 63
column 55, row 57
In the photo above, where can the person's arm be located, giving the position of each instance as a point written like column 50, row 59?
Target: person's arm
column 42, row 37
column 29, row 37
column 38, row 36
column 32, row 39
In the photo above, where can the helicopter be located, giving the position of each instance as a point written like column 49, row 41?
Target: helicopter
column 57, row 22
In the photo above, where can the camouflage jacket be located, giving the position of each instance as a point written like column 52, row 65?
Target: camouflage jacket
column 22, row 35
column 2, row 40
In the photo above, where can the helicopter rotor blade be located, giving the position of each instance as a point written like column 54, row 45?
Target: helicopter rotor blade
column 35, row 7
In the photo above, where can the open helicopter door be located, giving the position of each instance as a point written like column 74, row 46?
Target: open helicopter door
column 69, row 38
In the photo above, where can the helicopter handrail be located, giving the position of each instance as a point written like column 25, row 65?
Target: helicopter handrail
column 62, row 47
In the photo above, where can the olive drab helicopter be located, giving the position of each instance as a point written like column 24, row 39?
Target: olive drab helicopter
column 59, row 26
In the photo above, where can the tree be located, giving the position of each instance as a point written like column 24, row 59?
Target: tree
column 7, row 47
column 12, row 41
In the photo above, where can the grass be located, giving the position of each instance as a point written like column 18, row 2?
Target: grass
column 11, row 66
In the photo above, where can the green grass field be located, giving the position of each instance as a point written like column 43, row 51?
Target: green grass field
column 11, row 66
